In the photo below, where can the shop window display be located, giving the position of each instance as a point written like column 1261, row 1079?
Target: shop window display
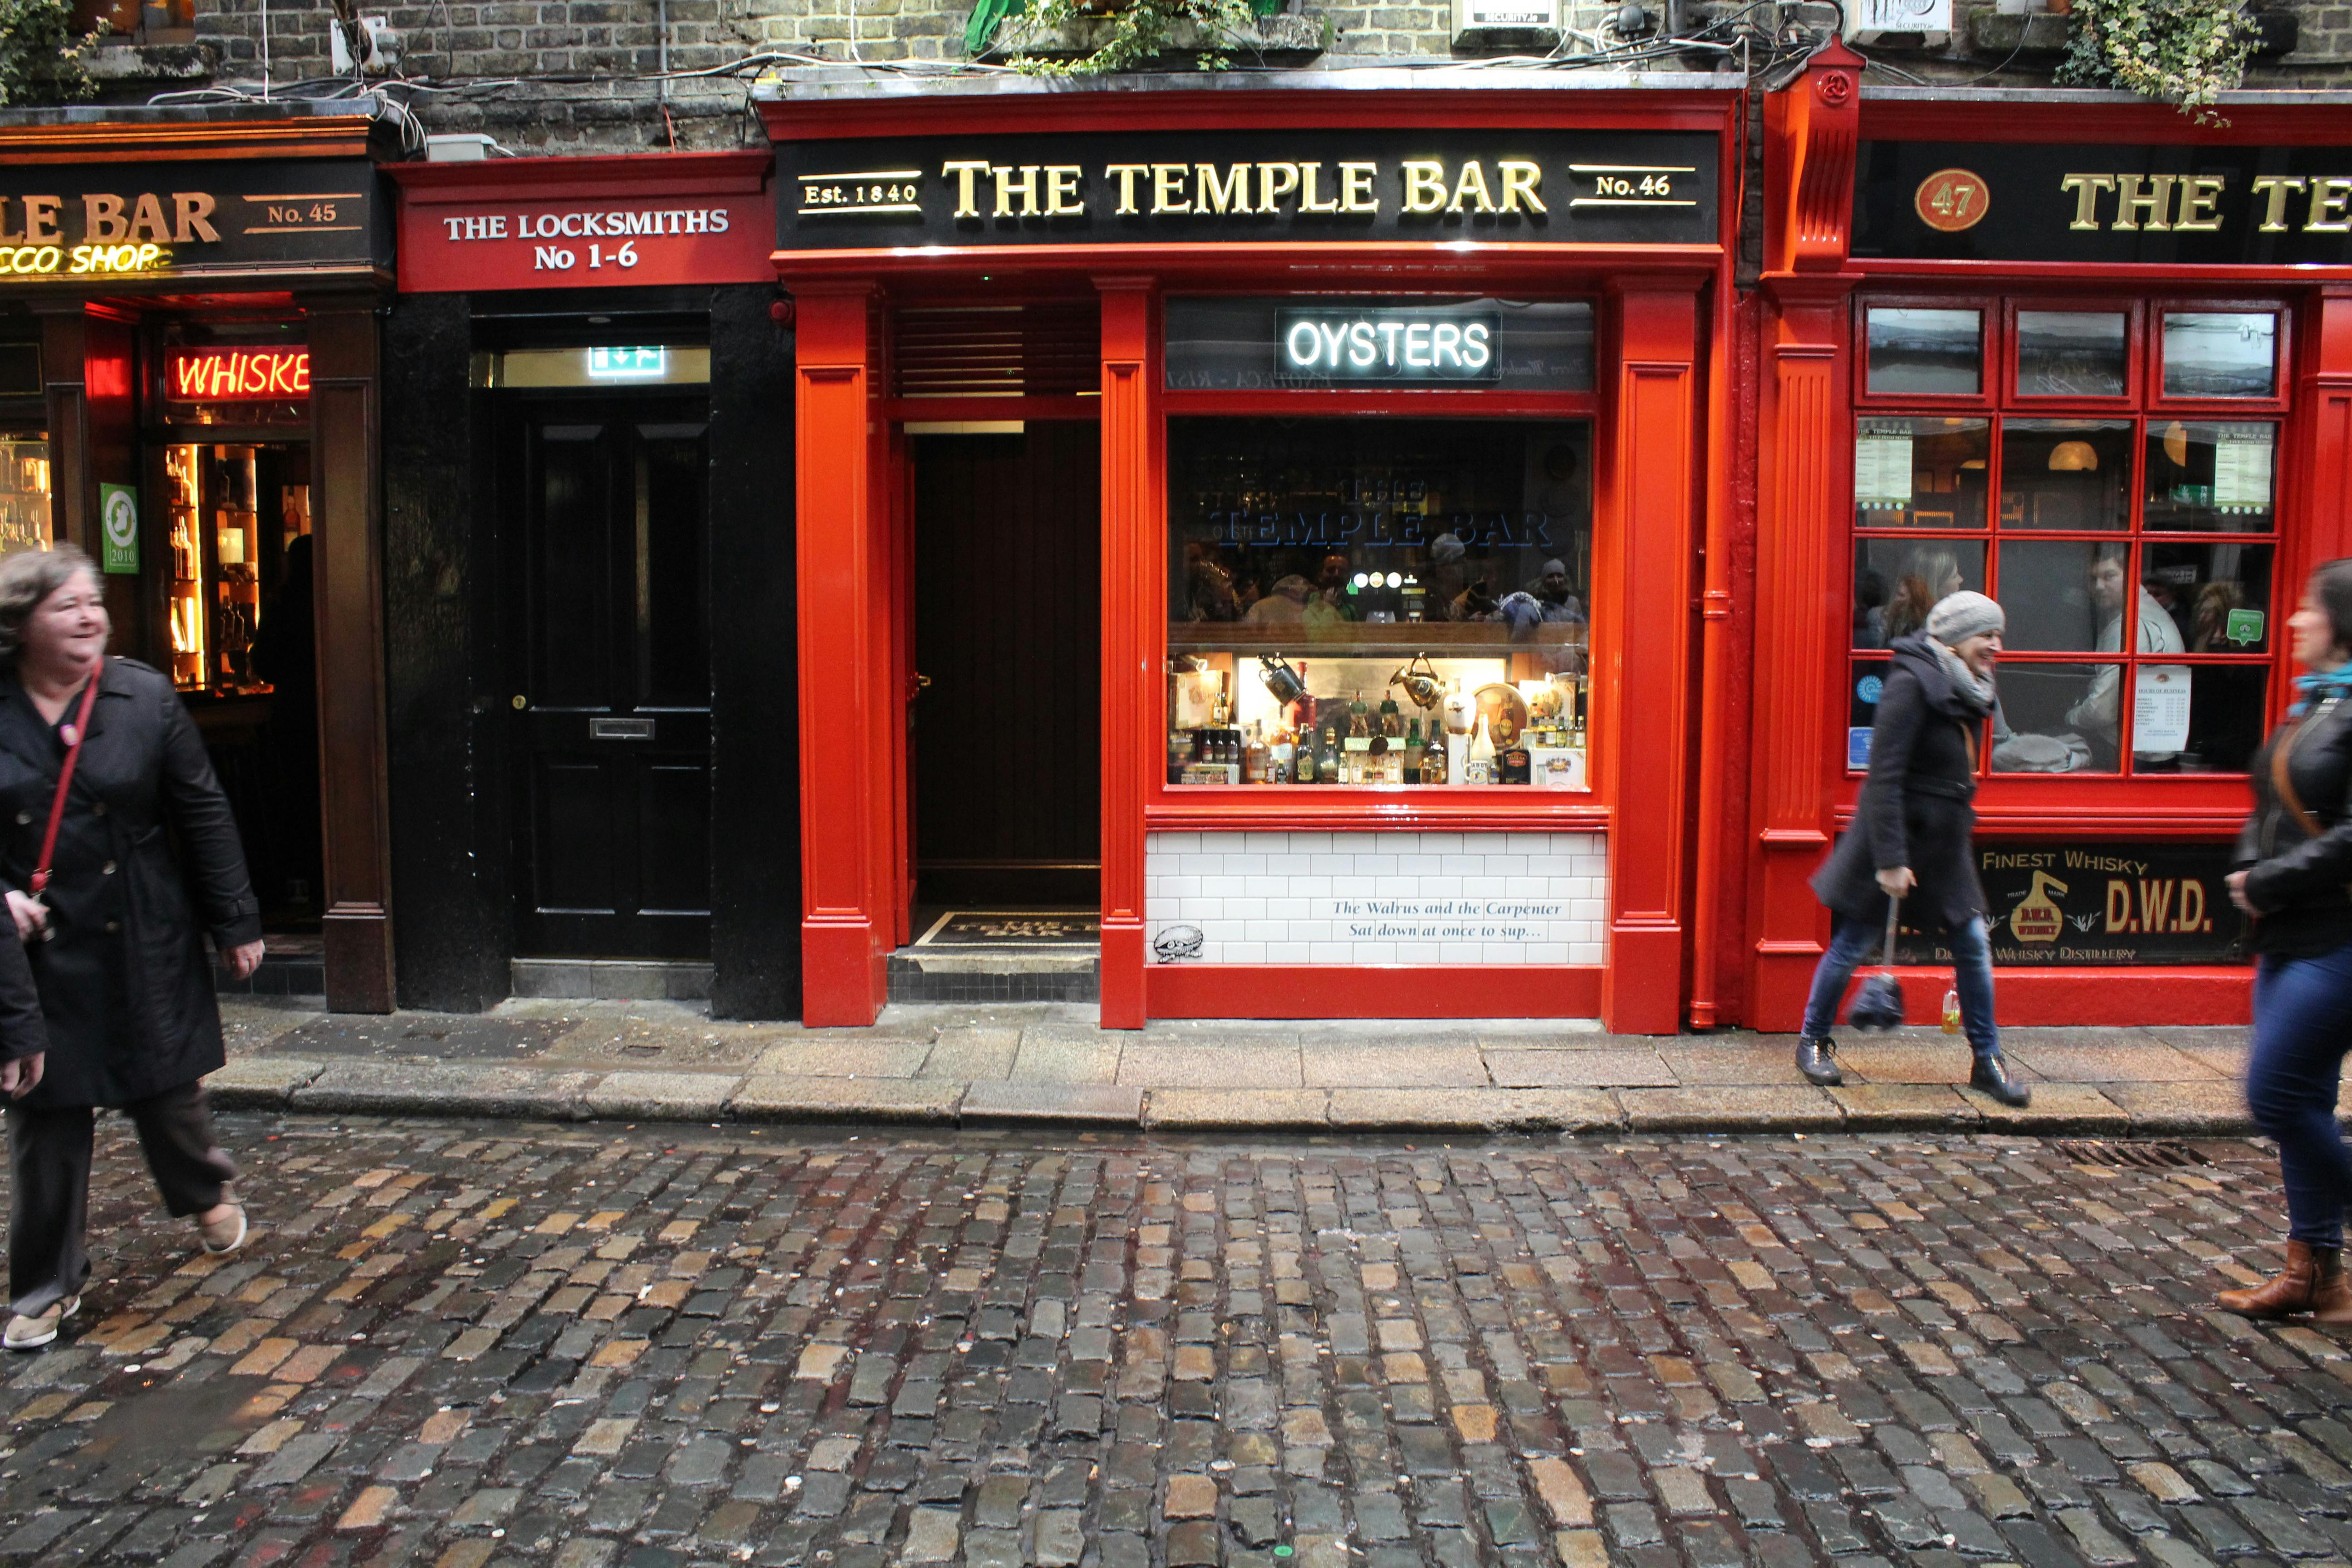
column 24, row 492
column 2131, row 541
column 1397, row 602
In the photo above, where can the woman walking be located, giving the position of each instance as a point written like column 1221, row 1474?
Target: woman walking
column 114, row 950
column 2295, row 857
column 1910, row 835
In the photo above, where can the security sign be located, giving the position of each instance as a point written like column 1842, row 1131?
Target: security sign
column 118, row 518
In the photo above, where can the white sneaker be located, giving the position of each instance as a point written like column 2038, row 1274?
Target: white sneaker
column 222, row 1236
column 31, row 1333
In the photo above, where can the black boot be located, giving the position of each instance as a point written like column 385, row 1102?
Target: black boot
column 1816, row 1060
column 1992, row 1075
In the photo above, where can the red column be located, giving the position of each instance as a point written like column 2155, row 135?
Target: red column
column 1652, row 480
column 847, row 919
column 1132, row 613
column 2324, row 410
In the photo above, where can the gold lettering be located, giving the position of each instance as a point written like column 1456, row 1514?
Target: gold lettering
column 1168, row 188
column 1471, row 181
column 1521, row 181
column 967, row 171
column 147, row 220
column 2200, row 197
column 1062, row 191
column 1275, row 180
column 41, row 219
column 189, row 211
column 2086, row 189
column 2274, row 187
column 2156, row 203
column 2328, row 195
column 1356, row 188
column 1127, row 173
column 1424, row 185
column 101, row 219
column 1309, row 174
column 1007, row 187
column 1228, row 194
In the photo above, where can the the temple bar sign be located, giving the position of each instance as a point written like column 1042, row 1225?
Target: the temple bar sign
column 1500, row 187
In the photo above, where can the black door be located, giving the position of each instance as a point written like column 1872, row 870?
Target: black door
column 610, row 603
column 1007, row 737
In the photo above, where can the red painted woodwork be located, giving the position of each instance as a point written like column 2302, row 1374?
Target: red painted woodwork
column 1134, row 521
column 2185, row 996
column 478, row 226
column 1310, row 991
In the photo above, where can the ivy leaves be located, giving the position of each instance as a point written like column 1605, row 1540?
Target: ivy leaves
column 2186, row 52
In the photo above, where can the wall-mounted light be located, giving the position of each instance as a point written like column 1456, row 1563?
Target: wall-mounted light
column 2073, row 457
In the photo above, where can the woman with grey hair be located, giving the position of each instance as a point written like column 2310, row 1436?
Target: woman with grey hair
column 99, row 770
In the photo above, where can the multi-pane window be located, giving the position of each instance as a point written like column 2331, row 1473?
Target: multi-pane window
column 2108, row 471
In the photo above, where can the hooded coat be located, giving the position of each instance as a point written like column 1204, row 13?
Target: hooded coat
column 1914, row 808
column 125, row 985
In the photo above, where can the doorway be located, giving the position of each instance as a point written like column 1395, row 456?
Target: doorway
column 1004, row 734
column 608, row 606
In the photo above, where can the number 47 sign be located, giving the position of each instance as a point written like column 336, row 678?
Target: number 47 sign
column 1952, row 200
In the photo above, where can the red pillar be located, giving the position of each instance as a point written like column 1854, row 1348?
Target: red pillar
column 1652, row 480
column 848, row 910
column 1132, row 613
column 2323, row 405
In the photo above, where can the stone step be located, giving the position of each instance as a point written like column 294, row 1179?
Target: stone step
column 961, row 973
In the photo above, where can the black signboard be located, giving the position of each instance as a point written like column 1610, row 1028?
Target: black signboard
column 101, row 223
column 2164, row 205
column 2059, row 903
column 1500, row 185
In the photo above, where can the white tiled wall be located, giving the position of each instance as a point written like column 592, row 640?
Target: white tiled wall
column 1381, row 897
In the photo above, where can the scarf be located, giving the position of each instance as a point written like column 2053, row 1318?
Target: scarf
column 1973, row 692
column 2320, row 685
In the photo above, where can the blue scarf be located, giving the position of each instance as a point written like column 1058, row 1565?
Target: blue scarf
column 2320, row 685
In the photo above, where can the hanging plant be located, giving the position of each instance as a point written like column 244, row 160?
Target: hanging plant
column 2187, row 52
column 1139, row 31
column 41, row 61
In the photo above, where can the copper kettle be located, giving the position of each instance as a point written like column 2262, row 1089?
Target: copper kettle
column 1420, row 681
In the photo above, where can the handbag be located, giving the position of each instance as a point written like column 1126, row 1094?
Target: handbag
column 1879, row 1004
column 75, row 733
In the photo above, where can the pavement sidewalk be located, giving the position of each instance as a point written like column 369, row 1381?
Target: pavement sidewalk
column 983, row 1066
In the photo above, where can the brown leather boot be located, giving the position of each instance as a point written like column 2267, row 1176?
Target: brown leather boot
column 2314, row 1282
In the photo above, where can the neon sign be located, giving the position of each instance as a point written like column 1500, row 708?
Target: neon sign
column 219, row 374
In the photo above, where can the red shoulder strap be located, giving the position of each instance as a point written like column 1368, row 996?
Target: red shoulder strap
column 64, row 781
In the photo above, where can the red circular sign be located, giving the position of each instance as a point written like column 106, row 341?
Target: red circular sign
column 1952, row 200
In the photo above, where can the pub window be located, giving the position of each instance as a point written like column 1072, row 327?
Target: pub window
column 2130, row 530
column 1378, row 601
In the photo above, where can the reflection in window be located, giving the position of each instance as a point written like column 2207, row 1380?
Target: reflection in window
column 1897, row 581
column 2219, row 354
column 2217, row 595
column 2065, row 474
column 2040, row 724
column 2070, row 354
column 1931, row 353
column 1920, row 473
column 2210, row 477
column 2226, row 714
column 2060, row 596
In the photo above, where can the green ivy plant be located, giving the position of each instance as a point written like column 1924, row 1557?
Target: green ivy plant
column 2187, row 52
column 1139, row 31
column 41, row 61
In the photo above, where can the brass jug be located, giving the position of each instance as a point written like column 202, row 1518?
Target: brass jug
column 1420, row 681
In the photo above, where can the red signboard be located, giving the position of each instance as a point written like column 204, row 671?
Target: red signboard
column 237, row 376
column 558, row 223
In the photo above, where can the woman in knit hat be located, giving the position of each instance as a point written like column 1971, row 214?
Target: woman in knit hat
column 1910, row 835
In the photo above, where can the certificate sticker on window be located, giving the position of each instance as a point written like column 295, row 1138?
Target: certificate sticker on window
column 1857, row 748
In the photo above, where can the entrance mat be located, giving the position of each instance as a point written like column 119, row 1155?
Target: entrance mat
column 1013, row 927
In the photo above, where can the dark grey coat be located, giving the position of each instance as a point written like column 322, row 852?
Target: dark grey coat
column 1914, row 808
column 2297, row 881
column 125, row 986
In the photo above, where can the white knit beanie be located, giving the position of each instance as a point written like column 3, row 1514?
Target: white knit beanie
column 1959, row 616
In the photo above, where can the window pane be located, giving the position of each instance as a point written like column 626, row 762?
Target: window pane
column 2056, row 594
column 1930, row 352
column 1314, row 563
column 1897, row 581
column 1867, row 679
column 2210, row 478
column 1920, row 473
column 2218, row 595
column 2065, row 473
column 2228, row 705
column 2070, row 354
column 23, row 493
column 2049, row 719
column 2219, row 354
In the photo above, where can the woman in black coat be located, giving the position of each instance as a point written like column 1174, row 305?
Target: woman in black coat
column 115, row 950
column 2293, row 858
column 1910, row 837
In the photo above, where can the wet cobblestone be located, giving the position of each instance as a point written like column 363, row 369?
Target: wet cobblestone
column 466, row 1345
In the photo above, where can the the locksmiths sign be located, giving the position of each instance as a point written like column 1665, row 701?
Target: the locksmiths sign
column 2056, row 903
column 1498, row 187
column 2178, row 205
column 103, row 223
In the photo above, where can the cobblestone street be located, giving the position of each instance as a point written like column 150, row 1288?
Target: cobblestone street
column 465, row 1344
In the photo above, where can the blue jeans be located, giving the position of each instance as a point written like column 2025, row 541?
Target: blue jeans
column 1855, row 943
column 2303, row 1022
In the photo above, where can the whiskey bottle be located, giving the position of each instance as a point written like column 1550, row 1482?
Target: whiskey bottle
column 1478, row 767
column 1432, row 760
column 1254, row 756
column 1412, row 751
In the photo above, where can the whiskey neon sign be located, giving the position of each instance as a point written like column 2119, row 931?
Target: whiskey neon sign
column 219, row 375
